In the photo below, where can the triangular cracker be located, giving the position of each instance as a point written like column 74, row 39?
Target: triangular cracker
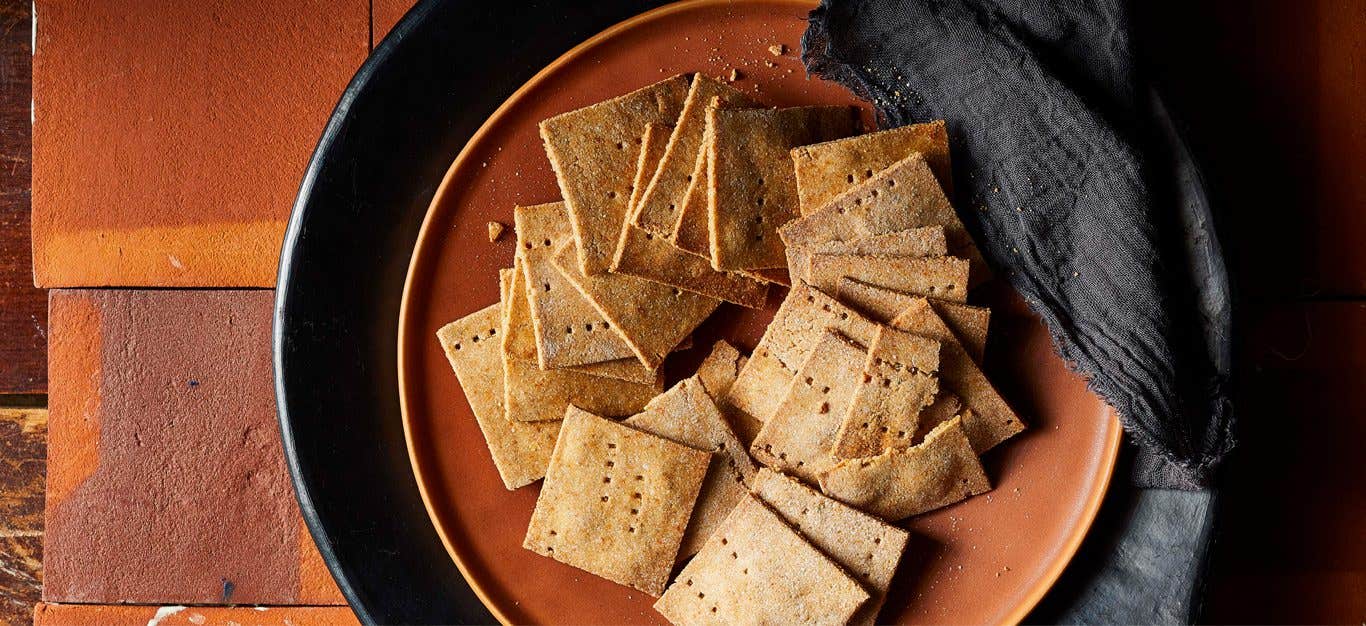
column 825, row 170
column 594, row 150
column 969, row 323
column 786, row 344
column 660, row 206
column 865, row 546
column 752, row 189
column 800, row 437
column 898, row 383
column 757, row 570
column 615, row 501
column 905, row 195
column 944, row 277
column 914, row 242
column 718, row 372
column 652, row 317
column 520, row 450
column 899, row 483
column 686, row 414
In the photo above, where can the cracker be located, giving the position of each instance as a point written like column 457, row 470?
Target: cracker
column 898, row 383
column 615, row 501
column 914, row 242
column 654, row 318
column 569, row 330
column 897, row 484
column 752, row 189
column 969, row 323
column 944, row 277
column 800, row 437
column 686, row 414
column 660, row 205
column 594, row 150
column 520, row 450
column 825, row 170
column 865, row 546
column 718, row 372
column 692, row 232
column 652, row 145
column 903, row 196
column 787, row 342
column 945, row 407
column 644, row 255
column 757, row 570
column 531, row 394
column 991, row 419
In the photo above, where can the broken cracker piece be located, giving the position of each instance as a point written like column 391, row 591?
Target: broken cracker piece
column 652, row 145
column 644, row 255
column 943, row 277
column 969, row 323
column 495, row 231
column 898, row 384
column 825, row 170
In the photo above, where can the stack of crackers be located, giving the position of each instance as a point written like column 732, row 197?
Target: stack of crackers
column 774, row 479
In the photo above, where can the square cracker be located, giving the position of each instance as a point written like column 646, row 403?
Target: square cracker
column 944, row 277
column 905, row 195
column 787, row 342
column 991, row 419
column 686, row 414
column 915, row 242
column 520, row 450
column 651, row 316
column 569, row 330
column 757, row 570
column 615, row 501
column 644, row 255
column 825, row 170
column 752, row 189
column 969, row 323
column 652, row 145
column 898, row 483
column 865, row 546
column 800, row 438
column 898, row 384
column 594, row 150
column 661, row 204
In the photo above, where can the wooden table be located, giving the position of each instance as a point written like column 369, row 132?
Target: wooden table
column 1273, row 98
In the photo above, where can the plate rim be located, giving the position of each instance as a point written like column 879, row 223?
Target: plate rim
column 1089, row 510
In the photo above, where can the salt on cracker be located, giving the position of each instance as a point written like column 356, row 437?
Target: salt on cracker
column 787, row 342
column 520, row 450
column 752, row 188
column 594, row 150
column 825, row 170
column 757, row 570
column 898, row 383
column 718, row 372
column 654, row 318
column 615, row 501
column 991, row 419
column 569, row 331
column 969, row 323
column 865, row 546
column 661, row 204
column 531, row 394
column 905, row 195
column 687, row 414
column 942, row 277
column 897, row 484
column 644, row 255
column 800, row 437
column 914, row 242
column 652, row 146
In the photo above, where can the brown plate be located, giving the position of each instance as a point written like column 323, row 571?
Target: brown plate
column 989, row 559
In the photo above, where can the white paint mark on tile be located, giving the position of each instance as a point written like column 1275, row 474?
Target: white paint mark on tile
column 163, row 613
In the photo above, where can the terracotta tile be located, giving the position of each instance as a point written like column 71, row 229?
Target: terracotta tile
column 170, row 137
column 114, row 615
column 166, row 480
column 386, row 14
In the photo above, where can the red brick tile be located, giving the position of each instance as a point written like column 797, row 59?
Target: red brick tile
column 387, row 13
column 166, row 480
column 115, row 615
column 170, row 137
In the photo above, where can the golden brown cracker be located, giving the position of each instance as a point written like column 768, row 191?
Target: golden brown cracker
column 644, row 255
column 717, row 373
column 654, row 318
column 825, row 170
column 652, row 146
column 866, row 547
column 898, row 483
column 969, row 323
column 660, row 205
column 692, row 232
column 615, row 501
column 905, row 195
column 520, row 450
column 944, row 277
column 531, row 394
column 594, row 150
column 898, row 383
column 914, row 242
column 800, row 437
column 752, row 189
column 757, row 570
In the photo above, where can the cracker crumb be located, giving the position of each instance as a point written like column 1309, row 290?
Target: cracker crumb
column 735, row 74
column 496, row 230
column 777, row 50
column 770, row 64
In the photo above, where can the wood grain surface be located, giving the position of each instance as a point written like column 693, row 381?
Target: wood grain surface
column 23, row 450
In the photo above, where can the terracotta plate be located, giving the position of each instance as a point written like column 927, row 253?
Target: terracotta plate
column 987, row 560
